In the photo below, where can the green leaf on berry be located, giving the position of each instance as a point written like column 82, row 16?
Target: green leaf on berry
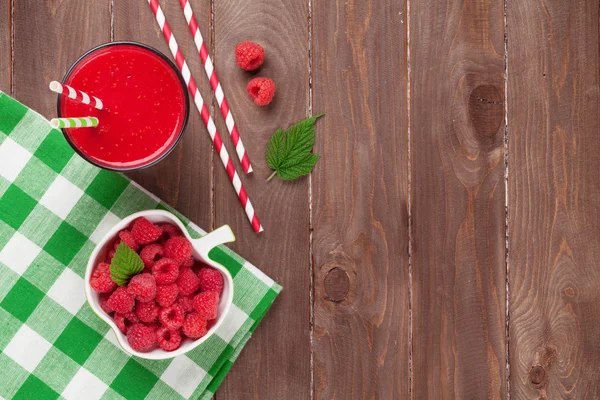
column 289, row 152
column 125, row 264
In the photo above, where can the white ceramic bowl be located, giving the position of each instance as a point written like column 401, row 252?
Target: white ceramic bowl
column 201, row 248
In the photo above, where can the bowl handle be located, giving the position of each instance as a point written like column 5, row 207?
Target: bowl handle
column 211, row 240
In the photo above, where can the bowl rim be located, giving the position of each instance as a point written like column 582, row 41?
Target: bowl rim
column 121, row 338
column 183, row 87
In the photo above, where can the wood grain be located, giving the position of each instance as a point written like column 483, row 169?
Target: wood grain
column 458, row 217
column 553, row 199
column 46, row 46
column 5, row 46
column 184, row 178
column 360, row 200
column 276, row 362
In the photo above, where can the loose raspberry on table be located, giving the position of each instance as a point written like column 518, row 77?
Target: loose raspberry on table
column 141, row 337
column 206, row 304
column 168, row 340
column 142, row 287
column 144, row 231
column 171, row 317
column 187, row 303
column 165, row 271
column 178, row 248
column 169, row 231
column 249, row 55
column 151, row 254
column 194, row 326
column 121, row 301
column 261, row 90
column 211, row 280
column 103, row 300
column 128, row 239
column 125, row 321
column 146, row 312
column 187, row 282
column 101, row 281
column 166, row 295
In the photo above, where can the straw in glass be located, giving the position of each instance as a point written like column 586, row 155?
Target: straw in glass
column 86, row 122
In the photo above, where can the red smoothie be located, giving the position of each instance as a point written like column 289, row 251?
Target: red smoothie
column 145, row 106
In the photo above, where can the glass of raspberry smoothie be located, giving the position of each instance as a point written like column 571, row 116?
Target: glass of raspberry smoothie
column 145, row 106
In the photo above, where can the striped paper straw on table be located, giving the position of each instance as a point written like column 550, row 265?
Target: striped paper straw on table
column 86, row 122
column 205, row 114
column 76, row 95
column 216, row 85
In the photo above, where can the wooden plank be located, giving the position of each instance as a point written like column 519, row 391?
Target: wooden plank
column 5, row 46
column 553, row 199
column 360, row 200
column 45, row 46
column 276, row 362
column 184, row 178
column 458, row 199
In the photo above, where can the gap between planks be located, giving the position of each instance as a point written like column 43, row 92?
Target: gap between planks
column 409, row 206
column 506, row 227
column 310, row 221
column 12, row 47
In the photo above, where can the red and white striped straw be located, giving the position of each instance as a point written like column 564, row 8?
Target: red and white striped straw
column 216, row 86
column 205, row 114
column 77, row 95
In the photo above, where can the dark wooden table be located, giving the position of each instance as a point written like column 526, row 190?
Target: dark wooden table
column 447, row 245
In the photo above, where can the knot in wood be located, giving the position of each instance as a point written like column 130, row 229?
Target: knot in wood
column 337, row 284
column 486, row 112
column 537, row 374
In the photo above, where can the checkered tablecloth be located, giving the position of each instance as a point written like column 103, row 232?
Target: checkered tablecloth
column 54, row 208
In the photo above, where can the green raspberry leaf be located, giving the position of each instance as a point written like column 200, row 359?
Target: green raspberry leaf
column 125, row 264
column 289, row 152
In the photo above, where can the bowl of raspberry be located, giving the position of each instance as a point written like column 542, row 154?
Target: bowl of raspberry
column 156, row 286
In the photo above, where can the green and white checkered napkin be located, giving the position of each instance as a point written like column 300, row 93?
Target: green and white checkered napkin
column 54, row 207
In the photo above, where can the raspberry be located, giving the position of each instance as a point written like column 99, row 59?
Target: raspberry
column 110, row 255
column 141, row 337
column 154, row 325
column 128, row 239
column 103, row 299
column 187, row 282
column 142, row 287
column 194, row 326
column 261, row 90
column 165, row 271
column 150, row 254
column 187, row 303
column 146, row 312
column 169, row 231
column 211, row 280
column 178, row 248
column 166, row 295
column 121, row 301
column 249, row 55
column 100, row 280
column 144, row 231
column 116, row 243
column 189, row 263
column 171, row 317
column 124, row 321
column 206, row 304
column 168, row 340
